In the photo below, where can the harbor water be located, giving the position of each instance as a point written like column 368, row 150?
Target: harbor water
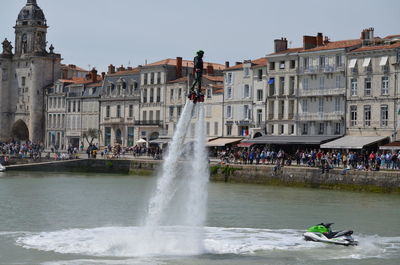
column 73, row 219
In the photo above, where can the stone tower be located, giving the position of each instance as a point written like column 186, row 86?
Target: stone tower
column 25, row 75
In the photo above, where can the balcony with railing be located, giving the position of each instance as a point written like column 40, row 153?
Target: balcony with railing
column 149, row 123
column 321, row 116
column 113, row 120
column 315, row 69
column 326, row 91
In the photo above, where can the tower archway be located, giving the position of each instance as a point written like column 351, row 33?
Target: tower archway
column 20, row 131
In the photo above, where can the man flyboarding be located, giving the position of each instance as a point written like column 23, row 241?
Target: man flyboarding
column 197, row 96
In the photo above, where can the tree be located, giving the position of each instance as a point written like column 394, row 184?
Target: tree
column 91, row 133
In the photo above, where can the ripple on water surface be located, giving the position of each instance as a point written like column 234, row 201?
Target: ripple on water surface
column 172, row 241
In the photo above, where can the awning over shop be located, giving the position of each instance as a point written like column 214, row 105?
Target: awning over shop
column 353, row 142
column 245, row 144
column 287, row 139
column 223, row 141
column 393, row 146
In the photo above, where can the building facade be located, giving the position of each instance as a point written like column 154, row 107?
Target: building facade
column 373, row 87
column 25, row 75
column 119, row 107
column 322, row 85
column 282, row 84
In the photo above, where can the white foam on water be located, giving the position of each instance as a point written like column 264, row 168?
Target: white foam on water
column 136, row 261
column 127, row 242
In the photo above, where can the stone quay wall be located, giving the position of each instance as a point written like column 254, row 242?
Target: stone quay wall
column 373, row 181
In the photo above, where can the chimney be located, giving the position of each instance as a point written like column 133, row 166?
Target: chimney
column 93, row 75
column 122, row 68
column 111, row 69
column 178, row 67
column 238, row 63
column 309, row 42
column 319, row 39
column 210, row 69
column 326, row 40
column 103, row 75
column 130, row 68
column 371, row 34
column 227, row 64
column 280, row 45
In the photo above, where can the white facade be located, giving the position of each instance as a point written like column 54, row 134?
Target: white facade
column 373, row 103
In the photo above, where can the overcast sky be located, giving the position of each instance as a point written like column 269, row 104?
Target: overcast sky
column 100, row 32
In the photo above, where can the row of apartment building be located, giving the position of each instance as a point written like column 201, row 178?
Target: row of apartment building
column 325, row 88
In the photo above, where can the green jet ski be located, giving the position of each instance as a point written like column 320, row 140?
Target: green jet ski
column 323, row 233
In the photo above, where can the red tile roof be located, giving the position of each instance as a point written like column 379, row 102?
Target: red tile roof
column 378, row 47
column 214, row 78
column 126, row 72
column 257, row 62
column 185, row 63
column 291, row 50
column 335, row 45
column 392, row 36
column 179, row 80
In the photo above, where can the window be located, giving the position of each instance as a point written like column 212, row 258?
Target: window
column 208, row 128
column 130, row 111
column 151, row 115
column 229, row 130
column 152, row 78
column 384, row 115
column 339, row 61
column 158, row 94
column 367, row 87
column 144, row 115
column 107, row 136
column 305, row 105
column 259, row 117
column 171, row 95
column 337, row 104
column 321, row 128
column 305, row 128
column 158, row 115
column 159, row 78
column 179, row 111
column 118, row 111
column 145, row 80
column 353, row 115
column 229, row 111
column 216, row 128
column 306, row 62
column 151, row 95
column 229, row 92
column 260, row 74
column 281, row 129
column 367, row 115
column 282, row 65
column 271, row 129
column 145, row 96
column 229, row 78
column 281, row 85
column 272, row 66
column 338, row 81
column 321, row 105
column 79, row 106
column 130, row 136
column 338, row 128
column 246, row 91
column 246, row 112
column 292, row 64
column 107, row 111
column 23, row 81
column 291, row 85
column 179, row 93
column 322, row 82
column 385, row 85
column 260, row 95
column 305, row 83
column 69, row 106
column 171, row 112
column 73, row 106
column 292, row 129
column 322, row 60
column 353, row 87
